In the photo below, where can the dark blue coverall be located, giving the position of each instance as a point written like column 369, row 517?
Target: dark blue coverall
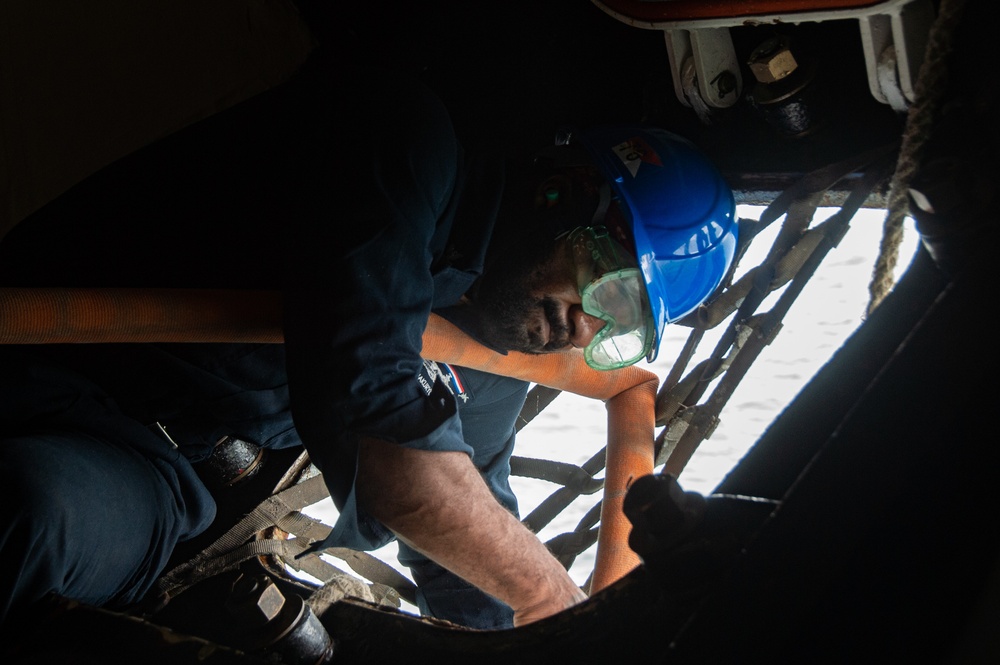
column 352, row 195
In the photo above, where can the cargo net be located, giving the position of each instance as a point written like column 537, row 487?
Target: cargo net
column 689, row 402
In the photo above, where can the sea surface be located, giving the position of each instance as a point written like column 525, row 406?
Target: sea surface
column 828, row 310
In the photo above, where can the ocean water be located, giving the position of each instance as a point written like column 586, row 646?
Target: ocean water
column 828, row 310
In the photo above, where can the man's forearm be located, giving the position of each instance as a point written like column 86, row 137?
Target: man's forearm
column 438, row 503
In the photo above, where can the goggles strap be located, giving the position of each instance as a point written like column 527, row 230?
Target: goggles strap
column 603, row 203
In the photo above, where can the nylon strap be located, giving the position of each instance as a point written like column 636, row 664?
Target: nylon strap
column 265, row 515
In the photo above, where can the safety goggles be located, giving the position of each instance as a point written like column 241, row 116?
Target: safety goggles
column 613, row 289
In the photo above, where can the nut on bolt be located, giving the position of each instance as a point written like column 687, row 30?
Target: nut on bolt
column 772, row 60
column 255, row 600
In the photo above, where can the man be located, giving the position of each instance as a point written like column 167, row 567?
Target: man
column 351, row 194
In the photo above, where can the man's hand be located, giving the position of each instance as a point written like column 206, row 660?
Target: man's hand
column 438, row 504
column 553, row 603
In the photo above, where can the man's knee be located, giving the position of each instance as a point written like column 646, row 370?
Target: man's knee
column 34, row 483
column 87, row 519
column 33, row 539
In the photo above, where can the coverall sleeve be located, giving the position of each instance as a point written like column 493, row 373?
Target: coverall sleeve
column 361, row 289
column 489, row 406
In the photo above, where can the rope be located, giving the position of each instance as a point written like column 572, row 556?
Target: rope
column 928, row 92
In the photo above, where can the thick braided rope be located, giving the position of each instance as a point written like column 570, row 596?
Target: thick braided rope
column 929, row 90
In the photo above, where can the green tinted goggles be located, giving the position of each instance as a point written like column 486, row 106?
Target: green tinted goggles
column 613, row 289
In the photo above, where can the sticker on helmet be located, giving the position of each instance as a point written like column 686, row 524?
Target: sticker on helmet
column 634, row 153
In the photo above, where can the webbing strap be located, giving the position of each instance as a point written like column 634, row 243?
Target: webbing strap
column 562, row 497
column 567, row 546
column 384, row 589
column 538, row 398
column 267, row 514
column 283, row 510
column 304, row 526
column 377, row 571
column 561, row 473
column 206, row 568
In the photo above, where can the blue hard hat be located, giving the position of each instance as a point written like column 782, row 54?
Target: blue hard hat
column 681, row 211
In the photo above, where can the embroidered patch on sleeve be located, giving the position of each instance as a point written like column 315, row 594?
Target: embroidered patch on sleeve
column 433, row 370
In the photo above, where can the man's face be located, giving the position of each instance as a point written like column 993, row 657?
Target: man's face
column 531, row 302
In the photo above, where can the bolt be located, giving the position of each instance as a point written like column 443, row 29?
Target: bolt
column 725, row 83
column 772, row 61
column 255, row 601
